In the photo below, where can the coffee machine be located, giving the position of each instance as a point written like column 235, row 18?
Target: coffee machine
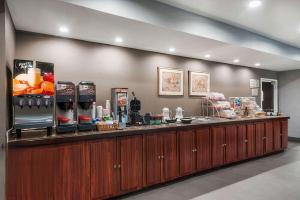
column 119, row 98
column 33, row 95
column 65, row 100
column 135, row 107
column 86, row 96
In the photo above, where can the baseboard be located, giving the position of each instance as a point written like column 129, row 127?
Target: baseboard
column 294, row 139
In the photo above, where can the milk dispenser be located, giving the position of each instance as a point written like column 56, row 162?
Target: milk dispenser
column 33, row 95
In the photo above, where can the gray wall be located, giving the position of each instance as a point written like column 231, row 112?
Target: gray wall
column 111, row 66
column 289, row 96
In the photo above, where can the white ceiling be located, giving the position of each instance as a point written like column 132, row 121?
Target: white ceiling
column 46, row 16
column 277, row 19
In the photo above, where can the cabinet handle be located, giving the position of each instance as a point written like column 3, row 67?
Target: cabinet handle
column 246, row 141
column 162, row 157
column 119, row 166
column 223, row 145
column 115, row 166
column 158, row 157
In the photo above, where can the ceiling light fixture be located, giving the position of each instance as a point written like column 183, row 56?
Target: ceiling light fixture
column 257, row 64
column 254, row 4
column 171, row 49
column 207, row 56
column 236, row 60
column 118, row 40
column 63, row 29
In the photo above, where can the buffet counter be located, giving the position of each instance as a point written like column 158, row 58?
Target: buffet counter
column 40, row 137
column 101, row 165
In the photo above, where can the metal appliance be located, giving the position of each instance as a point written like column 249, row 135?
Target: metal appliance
column 33, row 95
column 166, row 114
column 119, row 100
column 135, row 107
column 179, row 113
column 86, row 95
column 65, row 100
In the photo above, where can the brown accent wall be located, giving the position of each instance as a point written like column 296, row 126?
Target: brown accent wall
column 110, row 66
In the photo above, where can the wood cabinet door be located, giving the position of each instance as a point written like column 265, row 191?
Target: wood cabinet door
column 218, row 141
column 284, row 134
column 277, row 135
column 170, row 156
column 203, row 146
column 259, row 138
column 242, row 141
column 269, row 137
column 130, row 157
column 186, row 152
column 48, row 172
column 103, row 168
column 31, row 173
column 153, row 153
column 73, row 172
column 231, row 144
column 251, row 140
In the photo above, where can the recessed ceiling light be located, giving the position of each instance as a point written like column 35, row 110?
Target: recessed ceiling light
column 254, row 3
column 207, row 56
column 236, row 60
column 171, row 49
column 118, row 40
column 257, row 64
column 63, row 29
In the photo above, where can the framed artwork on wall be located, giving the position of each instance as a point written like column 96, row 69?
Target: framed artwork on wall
column 199, row 83
column 170, row 82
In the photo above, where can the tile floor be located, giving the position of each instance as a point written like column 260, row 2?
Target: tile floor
column 276, row 177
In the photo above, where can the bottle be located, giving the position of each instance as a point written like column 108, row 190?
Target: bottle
column 94, row 110
column 107, row 106
column 99, row 112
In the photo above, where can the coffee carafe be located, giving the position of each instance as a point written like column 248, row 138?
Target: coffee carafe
column 166, row 114
column 179, row 113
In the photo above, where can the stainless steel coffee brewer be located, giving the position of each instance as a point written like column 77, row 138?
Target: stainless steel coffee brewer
column 33, row 95
column 86, row 95
column 65, row 103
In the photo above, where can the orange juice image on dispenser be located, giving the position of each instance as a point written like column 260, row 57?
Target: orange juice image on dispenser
column 34, row 76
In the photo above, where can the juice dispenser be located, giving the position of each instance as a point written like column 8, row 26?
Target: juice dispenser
column 33, row 95
column 119, row 97
column 86, row 95
column 65, row 100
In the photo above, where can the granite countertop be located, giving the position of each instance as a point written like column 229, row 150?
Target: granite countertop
column 34, row 138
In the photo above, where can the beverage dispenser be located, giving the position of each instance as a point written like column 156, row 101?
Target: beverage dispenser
column 86, row 95
column 119, row 97
column 33, row 95
column 65, row 100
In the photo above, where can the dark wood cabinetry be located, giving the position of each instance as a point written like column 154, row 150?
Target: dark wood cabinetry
column 203, row 149
column 187, row 153
column 224, row 145
column 246, row 141
column 194, row 150
column 48, row 172
column 259, row 138
column 103, row 168
column 268, row 138
column 114, row 166
column 161, row 157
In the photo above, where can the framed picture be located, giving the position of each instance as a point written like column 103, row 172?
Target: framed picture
column 199, row 83
column 170, row 82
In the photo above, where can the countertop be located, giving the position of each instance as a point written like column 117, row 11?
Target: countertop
column 34, row 138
